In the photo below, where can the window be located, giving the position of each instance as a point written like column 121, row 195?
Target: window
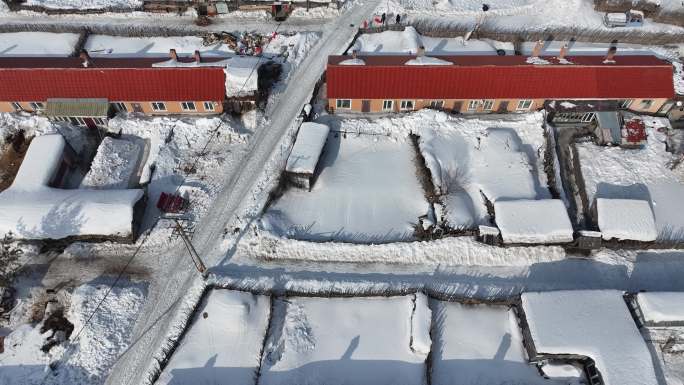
column 99, row 121
column 188, row 106
column 624, row 103
column 208, row 106
column 17, row 106
column 646, row 104
column 437, row 104
column 80, row 121
column 406, row 105
column 344, row 103
column 387, row 105
column 488, row 105
column 36, row 106
column 159, row 106
column 472, row 105
column 120, row 107
column 524, row 104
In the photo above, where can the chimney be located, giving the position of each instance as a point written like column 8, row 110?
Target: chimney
column 173, row 55
column 198, row 58
column 421, row 51
column 354, row 54
column 537, row 48
column 85, row 58
column 563, row 51
column 610, row 56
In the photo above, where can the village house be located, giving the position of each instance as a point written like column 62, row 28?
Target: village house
column 86, row 91
column 495, row 84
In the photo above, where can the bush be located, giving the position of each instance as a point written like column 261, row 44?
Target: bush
column 9, row 259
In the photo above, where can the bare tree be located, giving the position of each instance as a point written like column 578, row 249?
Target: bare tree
column 9, row 259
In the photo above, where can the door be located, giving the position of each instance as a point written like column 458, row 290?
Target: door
column 137, row 107
column 365, row 106
column 503, row 106
column 457, row 107
column 90, row 123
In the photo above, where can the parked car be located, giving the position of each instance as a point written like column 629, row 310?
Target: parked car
column 630, row 18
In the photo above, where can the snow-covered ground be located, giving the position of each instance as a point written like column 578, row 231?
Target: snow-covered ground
column 332, row 341
column 480, row 345
column 85, row 4
column 592, row 323
column 86, row 360
column 667, row 347
column 37, row 44
column 648, row 173
column 121, row 46
column 367, row 192
column 223, row 342
column 664, row 306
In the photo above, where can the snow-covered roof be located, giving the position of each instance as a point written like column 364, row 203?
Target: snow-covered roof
column 428, row 61
column 352, row 62
column 32, row 210
column 307, row 148
column 593, row 323
column 666, row 306
column 626, row 219
column 533, row 221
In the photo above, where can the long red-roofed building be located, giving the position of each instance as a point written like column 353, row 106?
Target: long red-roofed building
column 472, row 84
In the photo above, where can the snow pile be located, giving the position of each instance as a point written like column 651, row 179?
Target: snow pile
column 37, row 44
column 533, row 221
column 661, row 306
column 85, row 4
column 33, row 210
column 154, row 46
column 352, row 62
column 114, row 165
column 647, row 173
column 307, row 148
column 87, row 360
column 367, row 187
column 480, row 344
column 346, row 341
column 626, row 219
column 593, row 323
column 226, row 344
column 428, row 61
column 241, row 75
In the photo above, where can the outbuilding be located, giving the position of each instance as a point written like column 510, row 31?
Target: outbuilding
column 303, row 160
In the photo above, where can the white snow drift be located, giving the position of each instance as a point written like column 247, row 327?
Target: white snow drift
column 31, row 209
column 533, row 221
column 662, row 306
column 593, row 323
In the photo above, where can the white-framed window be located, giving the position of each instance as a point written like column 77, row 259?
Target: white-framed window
column 387, row 105
column 406, row 105
column 16, row 106
column 624, row 103
column 472, row 105
column 37, row 106
column 646, row 104
column 208, row 106
column 343, row 103
column 524, row 105
column 80, row 121
column 121, row 107
column 158, row 106
column 99, row 121
column 488, row 105
column 437, row 104
column 188, row 106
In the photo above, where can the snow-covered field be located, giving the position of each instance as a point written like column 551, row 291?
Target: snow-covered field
column 348, row 341
column 85, row 4
column 86, row 360
column 223, row 342
column 367, row 192
column 480, row 345
column 647, row 174
column 37, row 44
column 593, row 323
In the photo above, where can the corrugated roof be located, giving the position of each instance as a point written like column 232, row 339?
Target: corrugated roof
column 77, row 107
column 501, row 77
column 98, row 62
column 114, row 84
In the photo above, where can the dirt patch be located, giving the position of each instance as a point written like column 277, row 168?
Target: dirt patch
column 11, row 156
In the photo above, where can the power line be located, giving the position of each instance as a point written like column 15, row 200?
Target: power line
column 147, row 235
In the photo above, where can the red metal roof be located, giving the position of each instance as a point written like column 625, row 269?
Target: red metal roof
column 500, row 77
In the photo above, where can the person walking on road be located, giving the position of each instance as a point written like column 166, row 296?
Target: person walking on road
column 398, row 18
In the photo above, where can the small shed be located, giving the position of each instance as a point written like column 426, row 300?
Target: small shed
column 301, row 165
column 626, row 220
column 608, row 127
column 528, row 221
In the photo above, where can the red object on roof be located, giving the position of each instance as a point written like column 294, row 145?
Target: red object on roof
column 25, row 79
column 636, row 131
column 500, row 77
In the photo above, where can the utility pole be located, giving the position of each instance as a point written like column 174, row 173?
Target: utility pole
column 180, row 230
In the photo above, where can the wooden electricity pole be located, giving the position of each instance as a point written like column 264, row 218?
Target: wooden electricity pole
column 191, row 249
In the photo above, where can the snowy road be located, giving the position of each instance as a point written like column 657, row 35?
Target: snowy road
column 178, row 287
